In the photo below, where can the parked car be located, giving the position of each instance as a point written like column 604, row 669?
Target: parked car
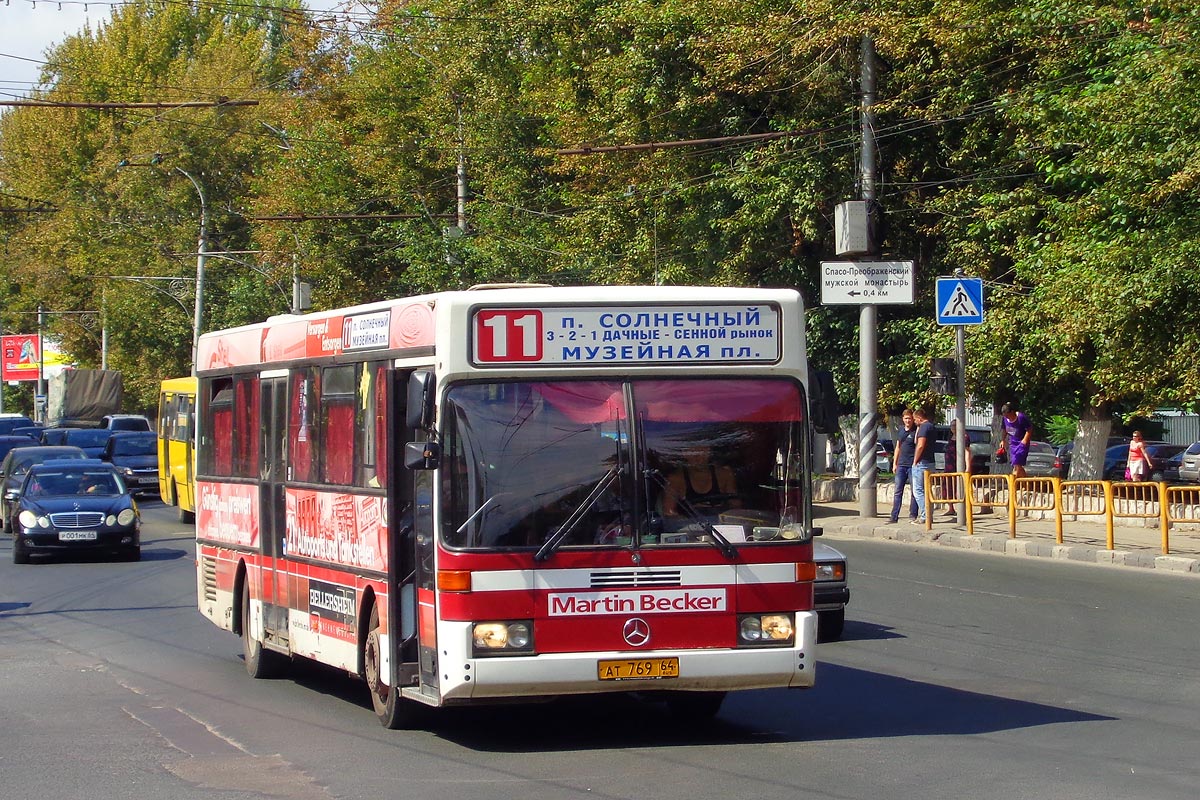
column 33, row 432
column 135, row 455
column 1189, row 467
column 17, row 463
column 1170, row 468
column 1066, row 451
column 72, row 506
column 980, row 444
column 1042, row 461
column 10, row 421
column 831, row 592
column 126, row 422
column 883, row 455
column 1160, row 454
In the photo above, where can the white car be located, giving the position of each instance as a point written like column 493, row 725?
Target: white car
column 830, row 592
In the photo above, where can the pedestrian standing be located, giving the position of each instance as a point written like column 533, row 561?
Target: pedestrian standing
column 922, row 460
column 1018, row 431
column 902, row 461
column 1138, row 461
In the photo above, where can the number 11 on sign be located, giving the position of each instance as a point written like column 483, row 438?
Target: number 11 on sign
column 508, row 335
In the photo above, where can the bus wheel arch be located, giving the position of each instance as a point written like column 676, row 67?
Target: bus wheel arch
column 393, row 711
column 183, row 514
column 260, row 662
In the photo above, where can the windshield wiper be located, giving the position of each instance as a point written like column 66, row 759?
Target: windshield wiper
column 718, row 540
column 578, row 514
column 480, row 510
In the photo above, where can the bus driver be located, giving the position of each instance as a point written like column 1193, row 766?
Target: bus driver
column 709, row 488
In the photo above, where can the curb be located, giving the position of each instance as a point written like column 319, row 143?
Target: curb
column 1030, row 548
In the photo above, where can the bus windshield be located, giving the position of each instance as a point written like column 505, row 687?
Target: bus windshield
column 623, row 463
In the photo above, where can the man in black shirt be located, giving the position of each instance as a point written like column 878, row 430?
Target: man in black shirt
column 922, row 460
column 902, row 461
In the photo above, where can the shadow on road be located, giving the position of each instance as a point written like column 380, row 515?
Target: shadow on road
column 847, row 704
column 868, row 632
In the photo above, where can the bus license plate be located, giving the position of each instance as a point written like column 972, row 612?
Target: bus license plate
column 77, row 536
column 638, row 669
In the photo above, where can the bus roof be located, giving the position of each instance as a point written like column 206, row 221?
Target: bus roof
column 575, row 326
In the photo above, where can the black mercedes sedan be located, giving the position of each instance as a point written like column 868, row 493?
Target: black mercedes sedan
column 75, row 506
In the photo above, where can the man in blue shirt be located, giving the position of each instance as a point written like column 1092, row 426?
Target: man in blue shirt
column 902, row 461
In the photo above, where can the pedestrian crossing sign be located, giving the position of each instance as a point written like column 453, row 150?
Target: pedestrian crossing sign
column 959, row 301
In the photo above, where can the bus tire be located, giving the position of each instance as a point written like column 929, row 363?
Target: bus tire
column 181, row 513
column 393, row 711
column 693, row 707
column 260, row 662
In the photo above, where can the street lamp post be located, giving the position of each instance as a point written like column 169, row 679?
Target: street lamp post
column 201, row 250
column 201, row 255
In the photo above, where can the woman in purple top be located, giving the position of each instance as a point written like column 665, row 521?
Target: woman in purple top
column 1018, row 431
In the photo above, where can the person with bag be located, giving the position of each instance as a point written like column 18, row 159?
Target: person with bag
column 1018, row 431
column 1138, row 463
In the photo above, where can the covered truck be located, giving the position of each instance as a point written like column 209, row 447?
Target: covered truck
column 82, row 397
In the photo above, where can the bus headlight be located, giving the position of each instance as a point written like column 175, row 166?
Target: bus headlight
column 502, row 638
column 766, row 629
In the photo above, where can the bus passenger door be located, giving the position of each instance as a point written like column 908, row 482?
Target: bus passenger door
column 273, row 472
column 411, row 501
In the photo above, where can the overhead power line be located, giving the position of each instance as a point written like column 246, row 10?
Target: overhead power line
column 313, row 217
column 156, row 104
column 748, row 137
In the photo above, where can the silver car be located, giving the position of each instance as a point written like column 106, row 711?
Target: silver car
column 1189, row 467
column 1042, row 461
column 830, row 592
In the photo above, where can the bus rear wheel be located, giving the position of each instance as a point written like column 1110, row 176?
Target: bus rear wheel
column 260, row 662
column 393, row 711
column 182, row 514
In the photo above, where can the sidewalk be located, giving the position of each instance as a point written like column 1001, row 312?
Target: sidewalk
column 1084, row 541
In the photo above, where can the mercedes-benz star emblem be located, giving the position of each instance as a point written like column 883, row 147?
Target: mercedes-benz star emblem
column 636, row 632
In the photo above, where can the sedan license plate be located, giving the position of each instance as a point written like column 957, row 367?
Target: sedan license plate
column 638, row 669
column 77, row 536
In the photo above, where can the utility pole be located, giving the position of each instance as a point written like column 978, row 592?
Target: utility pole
column 462, row 175
column 962, row 448
column 39, row 398
column 201, row 255
column 868, row 373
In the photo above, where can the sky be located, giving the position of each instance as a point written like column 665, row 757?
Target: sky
column 29, row 27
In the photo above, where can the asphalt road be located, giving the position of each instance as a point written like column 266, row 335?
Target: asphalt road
column 960, row 675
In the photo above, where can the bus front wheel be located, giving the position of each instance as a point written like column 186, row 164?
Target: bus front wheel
column 393, row 711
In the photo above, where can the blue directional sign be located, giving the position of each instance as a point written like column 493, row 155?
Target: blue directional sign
column 959, row 301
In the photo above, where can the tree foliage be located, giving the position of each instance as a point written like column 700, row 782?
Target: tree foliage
column 1048, row 147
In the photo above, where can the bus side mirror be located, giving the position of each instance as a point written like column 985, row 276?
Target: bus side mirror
column 422, row 455
column 419, row 412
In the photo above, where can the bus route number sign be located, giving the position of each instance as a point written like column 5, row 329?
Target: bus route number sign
column 508, row 335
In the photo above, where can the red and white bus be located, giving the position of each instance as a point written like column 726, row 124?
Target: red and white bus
column 515, row 492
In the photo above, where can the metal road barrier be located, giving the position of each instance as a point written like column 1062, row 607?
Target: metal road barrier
column 1170, row 505
column 1140, row 500
column 1084, row 499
